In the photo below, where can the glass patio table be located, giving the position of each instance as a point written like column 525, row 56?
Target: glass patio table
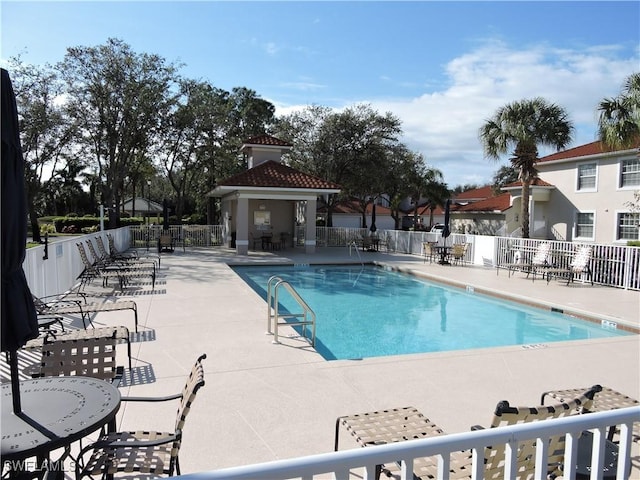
column 56, row 411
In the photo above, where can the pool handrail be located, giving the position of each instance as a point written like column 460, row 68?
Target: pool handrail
column 273, row 285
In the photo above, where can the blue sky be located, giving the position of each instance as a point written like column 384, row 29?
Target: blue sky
column 442, row 67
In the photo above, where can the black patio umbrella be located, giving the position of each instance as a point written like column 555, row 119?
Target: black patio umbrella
column 446, row 231
column 373, row 227
column 19, row 320
column 165, row 215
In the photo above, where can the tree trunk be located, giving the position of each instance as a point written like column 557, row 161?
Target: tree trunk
column 133, row 197
column 524, row 208
column 35, row 226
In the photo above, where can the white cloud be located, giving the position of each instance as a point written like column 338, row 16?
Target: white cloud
column 271, row 48
column 304, row 84
column 443, row 124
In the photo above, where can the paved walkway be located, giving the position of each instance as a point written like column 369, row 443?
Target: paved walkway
column 263, row 402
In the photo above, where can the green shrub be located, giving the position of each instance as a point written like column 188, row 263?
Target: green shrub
column 92, row 229
column 130, row 221
column 633, row 243
column 194, row 219
column 47, row 228
column 74, row 224
column 81, row 224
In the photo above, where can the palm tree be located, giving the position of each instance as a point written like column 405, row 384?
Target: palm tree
column 525, row 125
column 619, row 122
column 427, row 183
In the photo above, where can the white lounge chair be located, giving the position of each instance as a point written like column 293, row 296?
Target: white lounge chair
column 540, row 260
column 579, row 264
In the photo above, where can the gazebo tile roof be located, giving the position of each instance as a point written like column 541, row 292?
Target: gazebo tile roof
column 266, row 140
column 273, row 174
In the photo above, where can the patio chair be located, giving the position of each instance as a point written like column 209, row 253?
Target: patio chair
column 120, row 333
column 77, row 304
column 146, row 452
column 539, row 260
column 407, row 423
column 129, row 254
column 429, row 251
column 87, row 357
column 126, row 259
column 122, row 273
column 579, row 264
column 458, row 252
column 255, row 241
column 166, row 243
column 366, row 243
column 604, row 400
column 385, row 241
column 104, row 260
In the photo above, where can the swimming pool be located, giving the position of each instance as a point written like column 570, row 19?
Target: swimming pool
column 370, row 311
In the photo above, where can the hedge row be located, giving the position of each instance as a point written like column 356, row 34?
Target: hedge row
column 86, row 224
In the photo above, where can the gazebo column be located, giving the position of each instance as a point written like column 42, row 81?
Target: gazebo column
column 242, row 227
column 310, row 233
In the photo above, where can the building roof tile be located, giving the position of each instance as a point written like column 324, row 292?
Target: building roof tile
column 475, row 193
column 353, row 207
column 496, row 203
column 537, row 182
column 592, row 148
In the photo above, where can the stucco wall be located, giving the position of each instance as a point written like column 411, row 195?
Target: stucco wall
column 605, row 201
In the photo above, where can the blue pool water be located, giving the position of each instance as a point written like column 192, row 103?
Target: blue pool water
column 371, row 312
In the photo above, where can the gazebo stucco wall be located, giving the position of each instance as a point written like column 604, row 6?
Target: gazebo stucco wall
column 268, row 195
column 247, row 215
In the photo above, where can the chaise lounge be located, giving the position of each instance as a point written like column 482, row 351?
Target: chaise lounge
column 579, row 264
column 540, row 260
column 407, row 423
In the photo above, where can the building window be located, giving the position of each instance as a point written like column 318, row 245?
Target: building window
column 630, row 173
column 587, row 176
column 584, row 225
column 628, row 226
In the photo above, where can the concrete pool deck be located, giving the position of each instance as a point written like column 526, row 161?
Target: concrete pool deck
column 264, row 402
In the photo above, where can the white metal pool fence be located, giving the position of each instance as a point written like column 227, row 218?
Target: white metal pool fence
column 58, row 269
column 361, row 462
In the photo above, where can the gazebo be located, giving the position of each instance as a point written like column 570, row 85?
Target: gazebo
column 269, row 197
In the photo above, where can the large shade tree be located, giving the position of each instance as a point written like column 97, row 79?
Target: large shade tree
column 519, row 128
column 351, row 148
column 45, row 134
column 117, row 97
column 619, row 119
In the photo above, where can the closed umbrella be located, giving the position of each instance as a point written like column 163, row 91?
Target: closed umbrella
column 373, row 227
column 19, row 320
column 445, row 233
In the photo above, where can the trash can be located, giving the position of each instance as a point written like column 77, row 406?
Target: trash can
column 233, row 239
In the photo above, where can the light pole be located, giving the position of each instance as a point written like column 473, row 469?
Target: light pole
column 148, row 199
column 148, row 208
